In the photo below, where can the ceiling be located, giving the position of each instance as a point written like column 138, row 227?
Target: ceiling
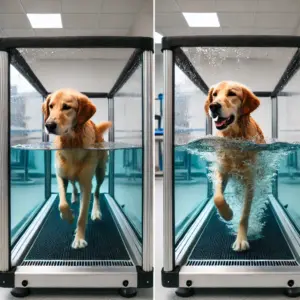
column 79, row 17
column 245, row 17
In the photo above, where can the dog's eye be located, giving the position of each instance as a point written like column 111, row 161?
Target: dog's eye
column 215, row 94
column 51, row 106
column 231, row 93
column 66, row 107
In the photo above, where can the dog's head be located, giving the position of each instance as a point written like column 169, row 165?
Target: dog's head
column 227, row 101
column 66, row 109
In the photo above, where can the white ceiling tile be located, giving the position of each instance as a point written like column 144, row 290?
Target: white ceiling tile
column 237, row 31
column 236, row 19
column 170, row 20
column 10, row 7
column 79, row 6
column 279, row 6
column 122, row 6
column 116, row 20
column 237, row 5
column 273, row 31
column 50, row 32
column 80, row 21
column 276, row 20
column 19, row 32
column 206, row 31
column 148, row 7
column 14, row 21
column 42, row 6
column 166, row 6
column 197, row 5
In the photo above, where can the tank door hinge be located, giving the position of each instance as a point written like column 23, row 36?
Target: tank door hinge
column 170, row 279
column 7, row 279
column 145, row 279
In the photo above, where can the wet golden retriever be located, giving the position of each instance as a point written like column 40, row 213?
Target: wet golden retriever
column 67, row 115
column 230, row 104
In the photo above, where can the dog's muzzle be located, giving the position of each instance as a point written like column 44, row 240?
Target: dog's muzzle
column 51, row 127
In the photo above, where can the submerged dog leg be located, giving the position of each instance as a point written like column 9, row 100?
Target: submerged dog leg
column 241, row 243
column 220, row 202
column 96, row 210
column 74, row 198
column 64, row 208
column 85, row 189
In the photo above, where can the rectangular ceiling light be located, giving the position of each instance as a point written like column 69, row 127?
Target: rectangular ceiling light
column 157, row 38
column 45, row 20
column 202, row 19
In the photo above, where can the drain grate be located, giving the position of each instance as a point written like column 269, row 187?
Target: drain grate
column 242, row 263
column 77, row 263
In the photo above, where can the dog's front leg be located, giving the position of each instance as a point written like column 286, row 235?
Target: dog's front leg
column 64, row 208
column 219, row 199
column 85, row 189
column 241, row 243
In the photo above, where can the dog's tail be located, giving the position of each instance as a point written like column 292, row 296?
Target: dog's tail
column 103, row 126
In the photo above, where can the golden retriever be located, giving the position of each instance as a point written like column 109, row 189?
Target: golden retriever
column 67, row 115
column 230, row 104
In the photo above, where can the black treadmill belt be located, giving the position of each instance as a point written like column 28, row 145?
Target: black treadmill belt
column 56, row 236
column 215, row 242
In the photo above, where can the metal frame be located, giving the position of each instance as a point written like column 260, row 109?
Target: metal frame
column 93, row 276
column 215, row 276
column 4, row 164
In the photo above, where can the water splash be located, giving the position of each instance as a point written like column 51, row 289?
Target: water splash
column 264, row 170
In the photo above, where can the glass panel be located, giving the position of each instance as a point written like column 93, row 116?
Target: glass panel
column 289, row 130
column 191, row 184
column 27, row 172
column 129, row 162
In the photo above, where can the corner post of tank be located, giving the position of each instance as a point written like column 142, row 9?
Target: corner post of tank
column 5, row 162
column 274, row 100
column 209, row 131
column 148, row 158
column 168, row 163
column 47, row 162
column 111, row 139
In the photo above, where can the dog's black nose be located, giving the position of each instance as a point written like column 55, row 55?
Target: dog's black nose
column 51, row 126
column 215, row 107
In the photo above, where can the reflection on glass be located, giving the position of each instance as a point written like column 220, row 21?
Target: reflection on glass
column 128, row 163
column 27, row 173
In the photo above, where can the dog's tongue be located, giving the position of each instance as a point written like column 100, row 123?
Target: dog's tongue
column 221, row 123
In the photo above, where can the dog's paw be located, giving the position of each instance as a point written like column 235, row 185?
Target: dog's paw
column 224, row 209
column 240, row 245
column 66, row 213
column 79, row 243
column 96, row 215
column 74, row 198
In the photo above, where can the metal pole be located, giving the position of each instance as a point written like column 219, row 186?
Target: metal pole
column 47, row 160
column 148, row 160
column 4, row 164
column 275, row 136
column 168, row 162
column 111, row 139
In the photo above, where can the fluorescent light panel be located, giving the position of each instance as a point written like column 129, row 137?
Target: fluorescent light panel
column 202, row 19
column 45, row 20
column 157, row 38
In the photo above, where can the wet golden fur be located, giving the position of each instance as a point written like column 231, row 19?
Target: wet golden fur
column 71, row 111
column 240, row 102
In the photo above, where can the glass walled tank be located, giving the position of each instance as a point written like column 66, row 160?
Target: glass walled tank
column 115, row 239
column 197, row 239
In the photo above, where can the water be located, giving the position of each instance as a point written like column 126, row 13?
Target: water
column 30, row 163
column 270, row 160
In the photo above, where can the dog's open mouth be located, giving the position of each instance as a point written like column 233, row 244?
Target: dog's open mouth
column 222, row 123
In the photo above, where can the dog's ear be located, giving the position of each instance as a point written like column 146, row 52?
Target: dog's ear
column 250, row 102
column 209, row 100
column 45, row 107
column 86, row 109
